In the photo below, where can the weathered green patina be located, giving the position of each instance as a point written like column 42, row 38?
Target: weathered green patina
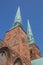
column 29, row 33
column 18, row 19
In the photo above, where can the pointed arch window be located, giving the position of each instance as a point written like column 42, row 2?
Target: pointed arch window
column 18, row 62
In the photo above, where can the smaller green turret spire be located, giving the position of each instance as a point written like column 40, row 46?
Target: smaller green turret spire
column 29, row 33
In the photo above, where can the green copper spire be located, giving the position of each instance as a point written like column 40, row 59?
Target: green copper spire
column 17, row 20
column 29, row 33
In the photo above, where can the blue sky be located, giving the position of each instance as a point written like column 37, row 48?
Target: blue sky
column 32, row 9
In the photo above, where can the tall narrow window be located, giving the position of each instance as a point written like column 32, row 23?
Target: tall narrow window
column 31, row 53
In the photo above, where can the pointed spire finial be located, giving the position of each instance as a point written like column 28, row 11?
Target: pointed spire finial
column 29, row 33
column 18, row 19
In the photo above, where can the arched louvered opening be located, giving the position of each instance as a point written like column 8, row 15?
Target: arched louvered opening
column 18, row 62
